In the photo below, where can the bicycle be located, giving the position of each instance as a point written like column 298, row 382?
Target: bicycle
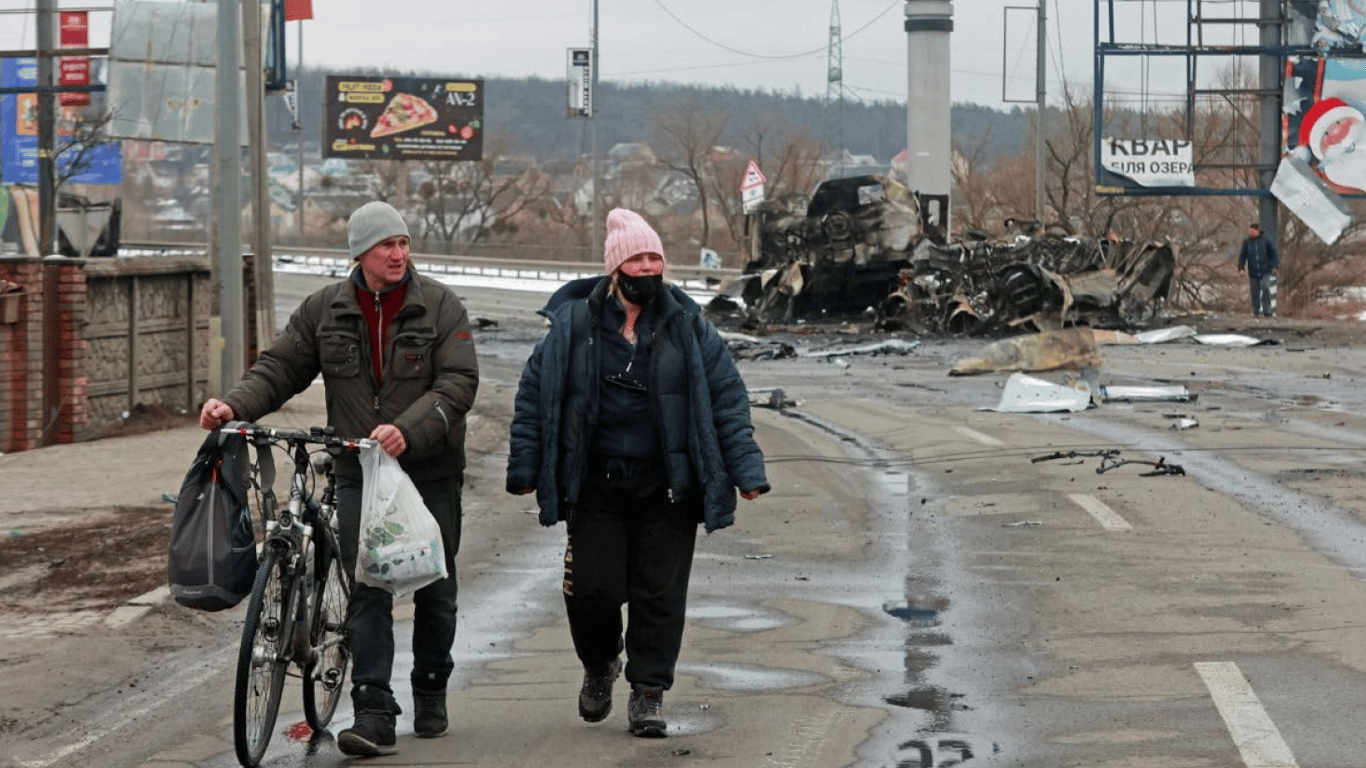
column 298, row 607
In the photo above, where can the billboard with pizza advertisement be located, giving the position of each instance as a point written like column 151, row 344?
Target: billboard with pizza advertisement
column 403, row 118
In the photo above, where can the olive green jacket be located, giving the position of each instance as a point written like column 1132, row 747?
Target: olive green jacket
column 430, row 373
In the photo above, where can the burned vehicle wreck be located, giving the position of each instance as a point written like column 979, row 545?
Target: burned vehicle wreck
column 828, row 254
column 861, row 246
column 1045, row 283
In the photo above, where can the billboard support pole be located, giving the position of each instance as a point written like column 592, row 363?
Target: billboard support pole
column 1269, row 75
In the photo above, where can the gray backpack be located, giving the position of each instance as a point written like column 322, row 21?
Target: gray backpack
column 212, row 559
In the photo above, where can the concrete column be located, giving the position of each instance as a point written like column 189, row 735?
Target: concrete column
column 929, row 24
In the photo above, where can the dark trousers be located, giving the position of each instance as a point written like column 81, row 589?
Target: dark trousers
column 370, row 630
column 1263, row 290
column 632, row 551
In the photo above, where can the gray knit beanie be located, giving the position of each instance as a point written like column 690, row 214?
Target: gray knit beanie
column 371, row 223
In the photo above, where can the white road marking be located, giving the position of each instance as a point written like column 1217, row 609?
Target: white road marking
column 1256, row 736
column 973, row 434
column 1108, row 518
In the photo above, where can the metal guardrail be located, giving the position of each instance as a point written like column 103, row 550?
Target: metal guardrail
column 475, row 265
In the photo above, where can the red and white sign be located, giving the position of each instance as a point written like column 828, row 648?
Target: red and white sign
column 753, row 178
column 73, row 70
column 74, row 29
column 752, row 188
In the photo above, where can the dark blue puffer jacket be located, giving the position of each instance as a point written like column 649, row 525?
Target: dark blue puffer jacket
column 699, row 400
column 1259, row 256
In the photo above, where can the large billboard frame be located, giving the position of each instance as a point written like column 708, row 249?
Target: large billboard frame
column 1110, row 44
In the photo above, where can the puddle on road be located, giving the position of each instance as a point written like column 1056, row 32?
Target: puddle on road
column 907, row 547
column 739, row 677
column 752, row 618
column 921, row 614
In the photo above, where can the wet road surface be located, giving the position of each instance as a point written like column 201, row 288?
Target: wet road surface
column 917, row 591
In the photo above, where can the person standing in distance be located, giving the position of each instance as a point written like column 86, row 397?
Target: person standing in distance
column 398, row 363
column 1259, row 258
column 632, row 425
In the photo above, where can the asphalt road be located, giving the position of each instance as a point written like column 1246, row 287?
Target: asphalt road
column 917, row 590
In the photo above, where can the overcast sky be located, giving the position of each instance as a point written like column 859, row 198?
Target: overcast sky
column 772, row 44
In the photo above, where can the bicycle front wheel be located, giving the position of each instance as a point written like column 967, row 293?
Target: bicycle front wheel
column 325, row 674
column 262, row 660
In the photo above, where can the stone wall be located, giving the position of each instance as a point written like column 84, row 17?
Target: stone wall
column 96, row 339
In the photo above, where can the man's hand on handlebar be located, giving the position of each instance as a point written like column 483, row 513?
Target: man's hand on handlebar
column 214, row 414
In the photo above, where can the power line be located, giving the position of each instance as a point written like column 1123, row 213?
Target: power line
column 753, row 55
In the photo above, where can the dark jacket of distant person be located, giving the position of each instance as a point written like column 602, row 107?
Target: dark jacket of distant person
column 1258, row 255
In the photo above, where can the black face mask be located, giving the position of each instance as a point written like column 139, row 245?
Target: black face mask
column 639, row 290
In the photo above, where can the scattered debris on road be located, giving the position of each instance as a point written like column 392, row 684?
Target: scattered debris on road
column 1110, row 459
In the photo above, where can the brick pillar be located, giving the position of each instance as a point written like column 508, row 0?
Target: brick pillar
column 21, row 358
column 65, row 410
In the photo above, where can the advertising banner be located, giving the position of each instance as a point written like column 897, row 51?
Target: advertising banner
column 580, row 82
column 73, row 70
column 403, row 118
column 102, row 164
column 1149, row 162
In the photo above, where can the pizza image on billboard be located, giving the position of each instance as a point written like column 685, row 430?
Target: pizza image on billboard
column 404, row 113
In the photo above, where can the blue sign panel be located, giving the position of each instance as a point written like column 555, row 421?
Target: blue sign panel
column 102, row 164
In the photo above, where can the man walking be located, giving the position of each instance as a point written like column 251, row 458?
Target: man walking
column 1258, row 257
column 398, row 363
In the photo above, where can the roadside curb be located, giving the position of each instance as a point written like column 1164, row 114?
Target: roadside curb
column 138, row 607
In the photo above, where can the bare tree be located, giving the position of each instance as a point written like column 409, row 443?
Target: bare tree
column 688, row 134
column 473, row 202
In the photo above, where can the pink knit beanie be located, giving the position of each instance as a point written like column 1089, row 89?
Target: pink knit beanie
column 627, row 235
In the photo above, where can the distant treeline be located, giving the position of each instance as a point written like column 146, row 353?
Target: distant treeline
column 528, row 116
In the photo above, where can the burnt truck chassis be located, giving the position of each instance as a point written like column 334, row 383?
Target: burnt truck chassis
column 859, row 246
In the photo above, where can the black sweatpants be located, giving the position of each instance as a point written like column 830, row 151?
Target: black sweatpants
column 632, row 550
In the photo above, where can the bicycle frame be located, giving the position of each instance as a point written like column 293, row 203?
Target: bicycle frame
column 297, row 614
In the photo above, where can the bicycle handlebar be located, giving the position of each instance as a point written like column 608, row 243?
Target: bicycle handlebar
column 315, row 435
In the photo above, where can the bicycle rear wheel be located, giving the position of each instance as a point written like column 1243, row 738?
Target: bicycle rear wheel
column 325, row 674
column 262, row 660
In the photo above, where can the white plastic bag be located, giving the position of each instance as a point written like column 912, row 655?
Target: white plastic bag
column 400, row 541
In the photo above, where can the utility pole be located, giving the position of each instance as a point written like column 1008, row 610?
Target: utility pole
column 834, row 90
column 47, row 171
column 298, row 134
column 228, row 195
column 595, row 244
column 1040, row 99
column 263, row 301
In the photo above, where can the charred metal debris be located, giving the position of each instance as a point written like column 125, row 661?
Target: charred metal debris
column 859, row 246
column 1110, row 458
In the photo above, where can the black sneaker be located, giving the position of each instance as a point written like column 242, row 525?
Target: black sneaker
column 429, row 713
column 595, row 697
column 646, row 712
column 372, row 734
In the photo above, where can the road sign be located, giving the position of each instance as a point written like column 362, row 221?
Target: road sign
column 752, row 188
column 753, row 178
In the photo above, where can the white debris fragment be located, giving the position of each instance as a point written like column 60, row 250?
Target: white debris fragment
column 1026, row 394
